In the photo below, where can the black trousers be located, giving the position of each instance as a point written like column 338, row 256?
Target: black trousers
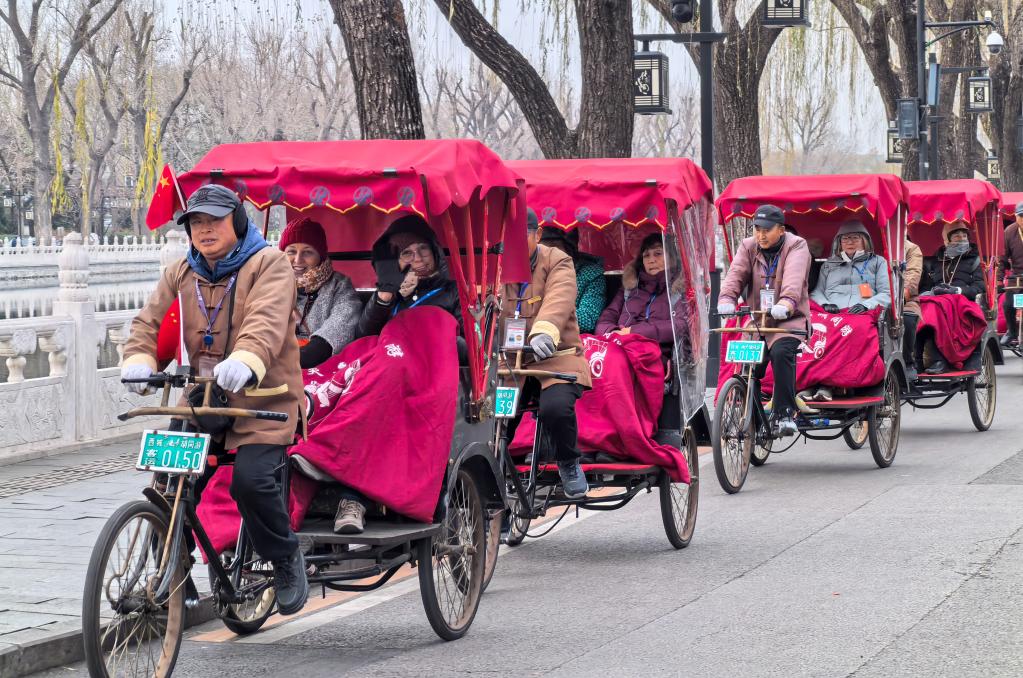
column 1012, row 326
column 909, row 322
column 557, row 412
column 783, row 363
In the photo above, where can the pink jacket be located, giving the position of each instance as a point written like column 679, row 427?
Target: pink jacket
column 748, row 270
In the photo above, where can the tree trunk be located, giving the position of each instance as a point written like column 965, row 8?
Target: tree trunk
column 383, row 68
column 1007, row 96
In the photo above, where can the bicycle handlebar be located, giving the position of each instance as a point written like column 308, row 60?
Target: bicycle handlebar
column 563, row 376
column 164, row 379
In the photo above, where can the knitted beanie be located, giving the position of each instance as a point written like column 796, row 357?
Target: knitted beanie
column 306, row 231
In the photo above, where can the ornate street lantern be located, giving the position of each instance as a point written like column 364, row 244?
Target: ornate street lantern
column 895, row 152
column 994, row 167
column 978, row 94
column 785, row 13
column 650, row 82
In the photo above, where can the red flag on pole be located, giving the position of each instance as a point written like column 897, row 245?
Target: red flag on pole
column 168, row 338
column 166, row 199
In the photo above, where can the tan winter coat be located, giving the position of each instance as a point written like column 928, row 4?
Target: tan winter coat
column 911, row 278
column 548, row 305
column 262, row 336
column 746, row 278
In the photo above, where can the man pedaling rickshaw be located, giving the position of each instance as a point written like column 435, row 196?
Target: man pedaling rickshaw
column 546, row 308
column 237, row 297
column 773, row 266
column 1011, row 264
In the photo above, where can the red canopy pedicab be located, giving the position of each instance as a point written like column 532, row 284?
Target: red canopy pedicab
column 1013, row 284
column 858, row 354
column 355, row 189
column 977, row 204
column 614, row 204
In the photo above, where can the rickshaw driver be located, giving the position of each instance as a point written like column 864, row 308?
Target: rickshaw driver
column 1011, row 260
column 543, row 313
column 774, row 266
column 252, row 352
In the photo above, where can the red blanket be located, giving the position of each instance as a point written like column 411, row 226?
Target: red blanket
column 383, row 420
column 842, row 352
column 958, row 324
column 619, row 414
column 1001, row 326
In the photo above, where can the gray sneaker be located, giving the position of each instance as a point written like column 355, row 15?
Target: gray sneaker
column 350, row 518
column 785, row 427
column 573, row 479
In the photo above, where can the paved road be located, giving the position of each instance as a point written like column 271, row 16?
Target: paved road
column 823, row 565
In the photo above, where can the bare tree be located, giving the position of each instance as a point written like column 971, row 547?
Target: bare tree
column 1002, row 126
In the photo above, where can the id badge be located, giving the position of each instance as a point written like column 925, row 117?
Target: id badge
column 866, row 291
column 766, row 298
column 515, row 333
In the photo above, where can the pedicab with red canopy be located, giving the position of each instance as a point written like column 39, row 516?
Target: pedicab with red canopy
column 652, row 441
column 960, row 324
column 859, row 354
column 448, row 479
column 1012, row 284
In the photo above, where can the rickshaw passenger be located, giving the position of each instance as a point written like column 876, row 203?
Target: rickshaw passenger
column 547, row 304
column 251, row 351
column 853, row 279
column 589, row 275
column 328, row 307
column 1011, row 263
column 911, row 309
column 642, row 305
column 774, row 265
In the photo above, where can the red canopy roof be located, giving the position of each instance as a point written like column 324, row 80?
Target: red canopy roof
column 946, row 201
column 1009, row 202
column 602, row 192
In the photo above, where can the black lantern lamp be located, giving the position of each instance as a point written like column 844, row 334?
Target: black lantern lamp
column 994, row 167
column 895, row 153
column 650, row 82
column 978, row 94
column 785, row 13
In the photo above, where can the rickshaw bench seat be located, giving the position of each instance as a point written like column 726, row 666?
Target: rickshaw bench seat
column 623, row 468
column 955, row 374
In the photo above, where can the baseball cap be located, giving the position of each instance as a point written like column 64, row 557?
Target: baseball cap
column 1019, row 208
column 768, row 216
column 212, row 199
column 532, row 223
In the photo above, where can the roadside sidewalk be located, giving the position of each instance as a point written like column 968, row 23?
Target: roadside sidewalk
column 51, row 511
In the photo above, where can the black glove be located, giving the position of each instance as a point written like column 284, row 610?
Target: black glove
column 857, row 309
column 830, row 308
column 389, row 275
column 941, row 289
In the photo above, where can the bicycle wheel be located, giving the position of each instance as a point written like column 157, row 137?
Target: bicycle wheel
column 761, row 451
column 248, row 617
column 856, row 435
column 451, row 563
column 679, row 501
column 983, row 396
column 125, row 629
column 493, row 546
column 883, row 424
column 732, row 446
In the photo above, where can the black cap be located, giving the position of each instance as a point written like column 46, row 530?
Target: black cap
column 532, row 223
column 768, row 216
column 212, row 199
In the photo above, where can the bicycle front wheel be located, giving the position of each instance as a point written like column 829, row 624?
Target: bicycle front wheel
column 126, row 629
column 732, row 444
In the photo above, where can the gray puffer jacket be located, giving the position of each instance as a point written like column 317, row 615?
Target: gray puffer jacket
column 840, row 278
column 333, row 314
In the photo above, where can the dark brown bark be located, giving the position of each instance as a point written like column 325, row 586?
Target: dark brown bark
column 1007, row 94
column 383, row 68
column 606, row 110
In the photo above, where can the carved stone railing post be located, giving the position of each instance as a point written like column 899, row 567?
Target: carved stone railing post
column 14, row 347
column 119, row 337
column 56, row 348
column 73, row 270
column 174, row 249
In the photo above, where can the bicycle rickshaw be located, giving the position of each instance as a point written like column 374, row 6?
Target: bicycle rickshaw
column 135, row 596
column 1014, row 283
column 815, row 207
column 614, row 204
column 933, row 205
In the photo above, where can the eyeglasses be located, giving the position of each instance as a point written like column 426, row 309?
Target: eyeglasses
column 849, row 237
column 421, row 250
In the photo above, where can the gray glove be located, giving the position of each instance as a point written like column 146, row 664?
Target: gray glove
column 232, row 375
column 779, row 311
column 726, row 308
column 137, row 372
column 542, row 345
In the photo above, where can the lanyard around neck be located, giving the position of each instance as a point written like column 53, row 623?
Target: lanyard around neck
column 211, row 317
column 518, row 305
column 417, row 301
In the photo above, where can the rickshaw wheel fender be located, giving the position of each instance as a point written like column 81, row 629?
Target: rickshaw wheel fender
column 700, row 426
column 477, row 459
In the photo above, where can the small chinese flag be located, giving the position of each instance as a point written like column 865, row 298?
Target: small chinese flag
column 168, row 340
column 166, row 199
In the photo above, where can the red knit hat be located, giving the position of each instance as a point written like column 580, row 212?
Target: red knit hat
column 305, row 230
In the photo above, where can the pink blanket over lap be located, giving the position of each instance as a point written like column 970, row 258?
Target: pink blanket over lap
column 843, row 352
column 383, row 420
column 958, row 325
column 619, row 414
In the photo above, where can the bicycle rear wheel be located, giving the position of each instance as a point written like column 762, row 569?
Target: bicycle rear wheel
column 248, row 617
column 126, row 630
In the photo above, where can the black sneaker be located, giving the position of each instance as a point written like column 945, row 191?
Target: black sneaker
column 939, row 366
column 573, row 479
column 290, row 583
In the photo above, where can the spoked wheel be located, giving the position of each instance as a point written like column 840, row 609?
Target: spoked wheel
column 126, row 630
column 493, row 545
column 883, row 423
column 982, row 393
column 732, row 445
column 451, row 563
column 856, row 435
column 679, row 501
column 517, row 527
column 761, row 451
column 248, row 617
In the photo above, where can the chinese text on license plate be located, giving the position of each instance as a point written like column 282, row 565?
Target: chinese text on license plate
column 173, row 452
column 1017, row 301
column 745, row 352
column 505, row 402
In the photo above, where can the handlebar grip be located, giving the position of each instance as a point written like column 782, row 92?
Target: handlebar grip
column 565, row 376
column 155, row 379
column 270, row 415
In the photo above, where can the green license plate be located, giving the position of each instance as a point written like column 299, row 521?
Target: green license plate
column 173, row 452
column 745, row 352
column 506, row 401
column 1017, row 301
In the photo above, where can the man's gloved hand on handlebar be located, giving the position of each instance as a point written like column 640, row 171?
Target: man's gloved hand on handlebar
column 232, row 375
column 725, row 308
column 542, row 345
column 133, row 372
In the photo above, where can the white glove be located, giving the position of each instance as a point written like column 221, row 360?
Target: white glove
column 232, row 375
column 408, row 285
column 779, row 311
column 137, row 371
column 959, row 290
column 725, row 308
column 542, row 345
